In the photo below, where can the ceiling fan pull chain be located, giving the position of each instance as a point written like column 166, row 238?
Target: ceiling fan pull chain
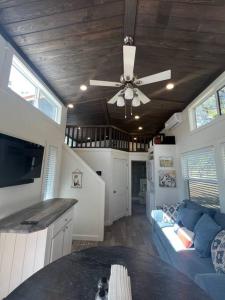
column 125, row 110
column 131, row 110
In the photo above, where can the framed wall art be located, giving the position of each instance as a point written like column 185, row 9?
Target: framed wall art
column 77, row 177
column 167, row 178
column 166, row 161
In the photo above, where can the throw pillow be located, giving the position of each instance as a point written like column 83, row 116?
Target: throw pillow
column 188, row 217
column 218, row 252
column 170, row 211
column 205, row 231
column 186, row 236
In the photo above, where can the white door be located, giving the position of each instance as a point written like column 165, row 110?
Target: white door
column 120, row 188
column 67, row 242
column 57, row 246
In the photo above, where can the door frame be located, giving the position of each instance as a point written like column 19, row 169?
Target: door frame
column 141, row 156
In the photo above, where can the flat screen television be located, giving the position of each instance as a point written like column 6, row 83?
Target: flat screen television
column 20, row 161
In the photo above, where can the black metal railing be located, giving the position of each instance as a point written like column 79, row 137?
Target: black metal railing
column 105, row 137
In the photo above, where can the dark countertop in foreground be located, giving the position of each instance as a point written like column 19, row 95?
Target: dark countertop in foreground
column 44, row 212
column 75, row 277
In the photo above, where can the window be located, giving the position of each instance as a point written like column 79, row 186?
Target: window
column 206, row 111
column 221, row 96
column 199, row 172
column 27, row 86
column 50, row 173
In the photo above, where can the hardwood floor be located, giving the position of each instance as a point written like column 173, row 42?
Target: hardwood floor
column 133, row 231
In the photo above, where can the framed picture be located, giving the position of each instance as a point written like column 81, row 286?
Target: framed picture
column 77, row 179
column 167, row 178
column 166, row 161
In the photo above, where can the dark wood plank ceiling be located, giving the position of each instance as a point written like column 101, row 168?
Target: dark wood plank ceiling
column 73, row 41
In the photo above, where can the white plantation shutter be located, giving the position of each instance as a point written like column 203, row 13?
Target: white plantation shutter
column 50, row 173
column 199, row 172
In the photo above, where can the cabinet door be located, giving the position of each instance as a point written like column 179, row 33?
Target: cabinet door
column 67, row 244
column 57, row 246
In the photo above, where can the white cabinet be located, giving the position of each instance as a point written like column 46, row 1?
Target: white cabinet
column 23, row 254
column 57, row 246
column 61, row 243
column 67, row 242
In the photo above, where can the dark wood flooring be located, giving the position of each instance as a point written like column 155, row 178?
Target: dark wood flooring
column 133, row 231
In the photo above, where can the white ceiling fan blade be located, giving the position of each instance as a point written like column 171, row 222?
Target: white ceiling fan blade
column 114, row 98
column 144, row 99
column 128, row 62
column 153, row 78
column 105, row 83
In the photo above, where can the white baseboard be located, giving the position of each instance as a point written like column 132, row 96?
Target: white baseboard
column 83, row 237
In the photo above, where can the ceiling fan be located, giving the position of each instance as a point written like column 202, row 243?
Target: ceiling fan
column 129, row 83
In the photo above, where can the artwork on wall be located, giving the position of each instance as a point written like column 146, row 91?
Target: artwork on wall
column 166, row 161
column 77, row 179
column 167, row 178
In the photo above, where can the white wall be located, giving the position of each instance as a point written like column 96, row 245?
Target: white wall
column 20, row 119
column 102, row 160
column 212, row 134
column 89, row 212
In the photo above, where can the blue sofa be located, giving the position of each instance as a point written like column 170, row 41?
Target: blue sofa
column 171, row 250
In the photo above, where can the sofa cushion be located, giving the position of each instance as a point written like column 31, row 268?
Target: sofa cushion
column 196, row 206
column 205, row 230
column 171, row 210
column 212, row 284
column 218, row 252
column 220, row 219
column 188, row 217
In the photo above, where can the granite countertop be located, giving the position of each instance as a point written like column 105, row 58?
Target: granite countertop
column 76, row 276
column 40, row 216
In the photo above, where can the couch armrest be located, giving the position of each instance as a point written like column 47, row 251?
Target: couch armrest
column 213, row 284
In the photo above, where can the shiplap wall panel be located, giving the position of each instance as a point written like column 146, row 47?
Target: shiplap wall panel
column 29, row 257
column 18, row 260
column 6, row 263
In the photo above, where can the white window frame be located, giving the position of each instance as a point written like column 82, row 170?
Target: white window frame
column 26, row 71
column 49, row 178
column 187, row 178
column 211, row 90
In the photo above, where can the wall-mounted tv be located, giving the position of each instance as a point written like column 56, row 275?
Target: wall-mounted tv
column 20, row 161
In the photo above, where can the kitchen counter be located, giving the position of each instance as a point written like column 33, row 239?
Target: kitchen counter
column 37, row 217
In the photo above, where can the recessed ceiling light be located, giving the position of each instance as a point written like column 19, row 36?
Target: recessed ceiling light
column 140, row 128
column 135, row 138
column 83, row 87
column 88, row 138
column 137, row 117
column 78, row 128
column 70, row 105
column 170, row 86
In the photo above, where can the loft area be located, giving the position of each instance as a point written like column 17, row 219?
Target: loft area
column 112, row 149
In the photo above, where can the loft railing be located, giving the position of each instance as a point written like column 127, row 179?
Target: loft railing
column 105, row 137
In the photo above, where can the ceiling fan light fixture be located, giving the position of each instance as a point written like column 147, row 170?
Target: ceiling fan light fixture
column 70, row 105
column 136, row 102
column 140, row 128
column 137, row 117
column 170, row 86
column 83, row 87
column 129, row 93
column 120, row 101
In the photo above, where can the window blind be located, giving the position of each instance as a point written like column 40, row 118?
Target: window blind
column 199, row 172
column 50, row 172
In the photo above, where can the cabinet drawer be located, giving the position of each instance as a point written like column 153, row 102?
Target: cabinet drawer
column 62, row 221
